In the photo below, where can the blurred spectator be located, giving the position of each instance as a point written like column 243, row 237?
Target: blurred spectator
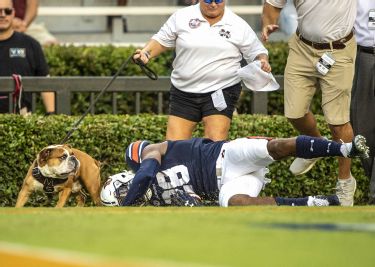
column 26, row 12
column 363, row 92
column 22, row 55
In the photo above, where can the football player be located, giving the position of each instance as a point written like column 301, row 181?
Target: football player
column 232, row 170
column 164, row 190
column 168, row 192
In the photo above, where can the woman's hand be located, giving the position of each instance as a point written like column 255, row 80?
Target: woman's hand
column 141, row 55
column 265, row 65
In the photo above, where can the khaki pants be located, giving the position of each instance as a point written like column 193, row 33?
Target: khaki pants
column 302, row 79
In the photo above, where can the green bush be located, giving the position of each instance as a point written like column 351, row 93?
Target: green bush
column 106, row 60
column 105, row 137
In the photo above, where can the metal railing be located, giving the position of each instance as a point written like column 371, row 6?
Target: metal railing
column 65, row 86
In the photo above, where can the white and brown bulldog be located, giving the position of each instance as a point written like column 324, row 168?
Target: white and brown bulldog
column 62, row 169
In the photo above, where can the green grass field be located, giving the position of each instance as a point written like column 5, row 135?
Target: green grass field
column 210, row 236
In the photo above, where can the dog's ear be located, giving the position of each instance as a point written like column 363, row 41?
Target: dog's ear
column 44, row 155
column 69, row 148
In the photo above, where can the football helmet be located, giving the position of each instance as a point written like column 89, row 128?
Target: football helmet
column 116, row 188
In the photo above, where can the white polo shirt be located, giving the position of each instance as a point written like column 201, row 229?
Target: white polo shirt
column 207, row 57
column 323, row 20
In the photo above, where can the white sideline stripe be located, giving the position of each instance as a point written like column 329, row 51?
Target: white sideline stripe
column 49, row 254
column 123, row 11
column 72, row 257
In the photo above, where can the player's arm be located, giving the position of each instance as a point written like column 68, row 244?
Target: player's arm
column 151, row 159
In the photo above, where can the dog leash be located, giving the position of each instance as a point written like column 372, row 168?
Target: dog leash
column 17, row 93
column 145, row 69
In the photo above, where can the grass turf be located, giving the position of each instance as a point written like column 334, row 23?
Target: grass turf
column 210, row 236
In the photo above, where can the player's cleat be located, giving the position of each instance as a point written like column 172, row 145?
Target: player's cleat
column 301, row 166
column 345, row 189
column 359, row 148
column 320, row 201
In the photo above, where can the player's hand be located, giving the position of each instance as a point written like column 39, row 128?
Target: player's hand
column 141, row 56
column 267, row 30
column 182, row 198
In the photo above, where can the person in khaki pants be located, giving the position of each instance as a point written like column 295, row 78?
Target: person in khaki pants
column 321, row 56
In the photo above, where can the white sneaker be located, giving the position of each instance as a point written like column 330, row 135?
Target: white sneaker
column 321, row 201
column 301, row 166
column 345, row 189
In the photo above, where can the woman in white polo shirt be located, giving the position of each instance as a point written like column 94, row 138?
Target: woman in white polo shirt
column 209, row 42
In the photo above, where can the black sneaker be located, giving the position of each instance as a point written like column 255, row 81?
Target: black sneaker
column 359, row 148
column 320, row 201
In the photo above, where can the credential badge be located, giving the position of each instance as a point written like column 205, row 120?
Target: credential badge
column 17, row 52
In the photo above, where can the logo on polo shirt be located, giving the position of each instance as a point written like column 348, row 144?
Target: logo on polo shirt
column 194, row 23
column 17, row 52
column 224, row 33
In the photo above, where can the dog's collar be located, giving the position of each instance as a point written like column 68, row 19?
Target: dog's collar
column 48, row 182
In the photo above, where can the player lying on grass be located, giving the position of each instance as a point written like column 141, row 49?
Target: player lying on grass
column 171, row 191
column 184, row 171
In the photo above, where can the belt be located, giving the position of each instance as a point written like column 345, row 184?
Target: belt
column 367, row 49
column 339, row 44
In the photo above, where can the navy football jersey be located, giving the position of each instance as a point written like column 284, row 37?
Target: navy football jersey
column 191, row 162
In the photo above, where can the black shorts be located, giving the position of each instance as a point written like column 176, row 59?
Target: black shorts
column 195, row 106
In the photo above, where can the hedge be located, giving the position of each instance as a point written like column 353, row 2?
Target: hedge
column 105, row 137
column 106, row 60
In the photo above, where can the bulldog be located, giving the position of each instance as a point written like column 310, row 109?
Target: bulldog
column 64, row 170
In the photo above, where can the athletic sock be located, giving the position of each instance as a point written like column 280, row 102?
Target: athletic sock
column 308, row 147
column 345, row 149
column 286, row 201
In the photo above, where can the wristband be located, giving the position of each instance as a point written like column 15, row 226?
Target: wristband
column 147, row 54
